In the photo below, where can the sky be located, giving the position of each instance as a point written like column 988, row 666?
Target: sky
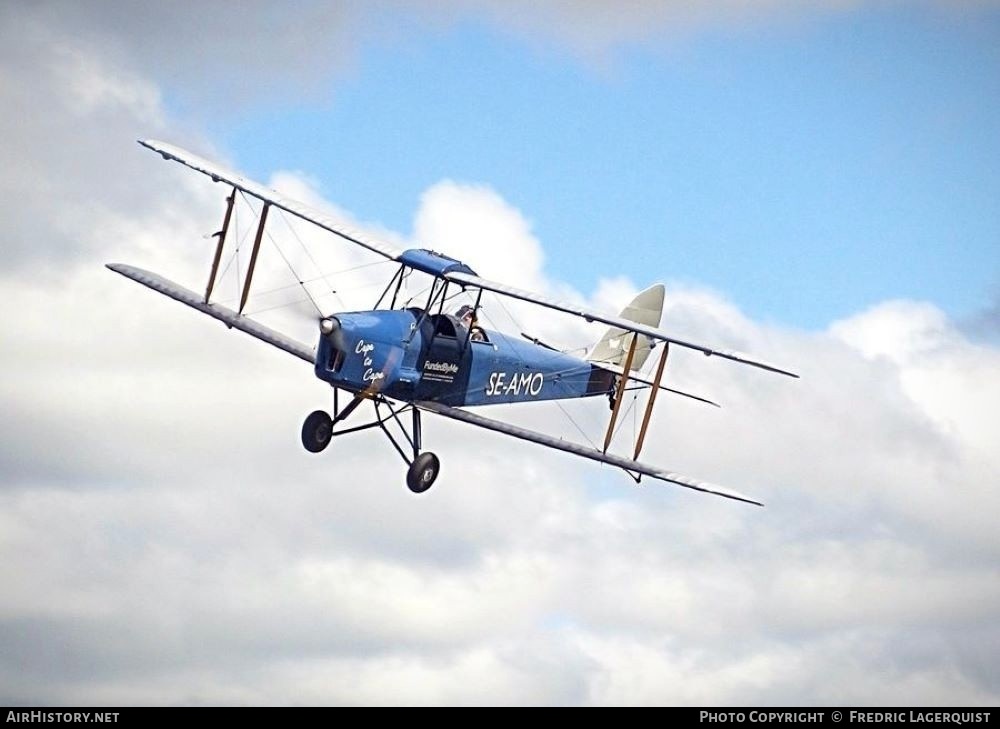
column 816, row 184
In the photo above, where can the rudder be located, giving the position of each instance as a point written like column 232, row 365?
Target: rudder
column 612, row 349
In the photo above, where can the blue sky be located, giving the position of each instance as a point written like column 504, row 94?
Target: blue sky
column 807, row 170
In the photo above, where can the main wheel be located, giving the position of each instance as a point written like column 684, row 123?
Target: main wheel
column 317, row 431
column 423, row 471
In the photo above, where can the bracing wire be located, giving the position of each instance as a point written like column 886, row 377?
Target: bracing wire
column 236, row 251
column 236, row 257
column 299, row 282
column 279, row 306
column 624, row 419
column 561, row 408
column 239, row 243
column 580, row 430
column 294, row 274
column 296, row 301
column 278, row 289
column 418, row 294
column 310, row 256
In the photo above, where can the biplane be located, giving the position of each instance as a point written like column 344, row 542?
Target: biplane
column 407, row 359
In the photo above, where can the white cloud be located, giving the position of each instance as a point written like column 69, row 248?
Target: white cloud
column 593, row 29
column 166, row 540
column 897, row 330
column 451, row 219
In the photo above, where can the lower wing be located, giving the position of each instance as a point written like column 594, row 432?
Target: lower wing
column 217, row 311
column 579, row 450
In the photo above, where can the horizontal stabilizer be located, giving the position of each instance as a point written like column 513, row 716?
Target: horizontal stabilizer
column 578, row 450
column 650, row 383
column 216, row 311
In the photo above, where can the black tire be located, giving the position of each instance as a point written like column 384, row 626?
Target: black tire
column 423, row 472
column 317, row 431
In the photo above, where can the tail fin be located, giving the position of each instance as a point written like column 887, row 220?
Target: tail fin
column 646, row 308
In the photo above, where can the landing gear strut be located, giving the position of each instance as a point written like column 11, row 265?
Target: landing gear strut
column 318, row 431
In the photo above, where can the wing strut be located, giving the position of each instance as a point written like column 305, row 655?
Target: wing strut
column 221, row 235
column 621, row 392
column 652, row 398
column 253, row 256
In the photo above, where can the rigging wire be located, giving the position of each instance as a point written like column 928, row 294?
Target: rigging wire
column 299, row 282
column 580, row 430
column 561, row 408
column 235, row 254
column 278, row 289
column 635, row 414
column 290, row 268
column 295, row 302
column 318, row 268
column 624, row 419
column 419, row 293
column 236, row 257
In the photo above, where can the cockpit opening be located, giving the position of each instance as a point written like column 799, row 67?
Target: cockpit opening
column 444, row 326
column 466, row 315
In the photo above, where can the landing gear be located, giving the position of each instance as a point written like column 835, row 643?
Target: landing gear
column 422, row 473
column 317, row 431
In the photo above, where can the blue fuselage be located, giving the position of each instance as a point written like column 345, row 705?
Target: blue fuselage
column 407, row 356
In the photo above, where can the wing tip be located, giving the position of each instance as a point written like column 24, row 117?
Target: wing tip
column 734, row 495
column 161, row 148
column 786, row 373
column 125, row 269
column 729, row 494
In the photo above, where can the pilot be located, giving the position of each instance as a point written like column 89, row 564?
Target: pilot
column 467, row 315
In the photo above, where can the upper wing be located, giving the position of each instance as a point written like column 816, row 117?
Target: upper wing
column 578, row 450
column 217, row 311
column 221, row 174
column 592, row 315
